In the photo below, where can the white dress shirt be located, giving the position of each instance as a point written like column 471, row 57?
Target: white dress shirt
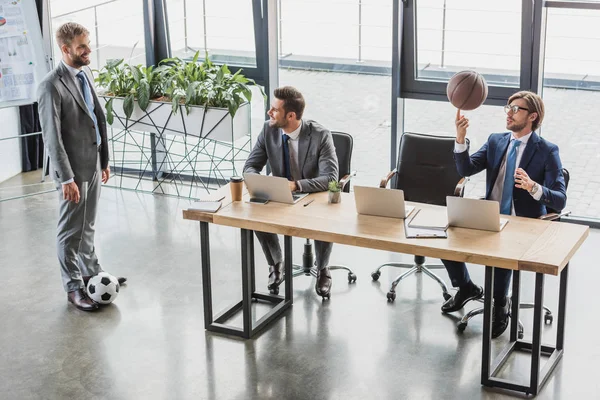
column 294, row 160
column 499, row 184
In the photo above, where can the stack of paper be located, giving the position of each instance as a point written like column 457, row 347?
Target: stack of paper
column 205, row 206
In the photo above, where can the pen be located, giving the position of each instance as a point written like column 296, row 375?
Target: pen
column 308, row 202
column 220, row 198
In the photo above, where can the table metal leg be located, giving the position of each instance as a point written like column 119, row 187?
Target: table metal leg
column 537, row 378
column 217, row 323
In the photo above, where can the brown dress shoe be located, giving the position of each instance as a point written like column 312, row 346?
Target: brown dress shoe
column 276, row 276
column 323, row 284
column 80, row 300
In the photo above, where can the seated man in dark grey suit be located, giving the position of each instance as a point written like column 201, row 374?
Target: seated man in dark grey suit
column 302, row 151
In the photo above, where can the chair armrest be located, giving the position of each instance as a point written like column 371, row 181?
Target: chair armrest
column 554, row 216
column 384, row 181
column 459, row 190
column 346, row 179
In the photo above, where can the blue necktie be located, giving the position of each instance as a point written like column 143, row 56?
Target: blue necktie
column 89, row 102
column 286, row 157
column 509, row 179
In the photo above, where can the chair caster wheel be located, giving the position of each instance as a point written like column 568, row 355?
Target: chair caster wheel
column 274, row 291
column 391, row 296
column 375, row 275
column 520, row 334
column 351, row 277
column 461, row 326
column 548, row 318
column 447, row 296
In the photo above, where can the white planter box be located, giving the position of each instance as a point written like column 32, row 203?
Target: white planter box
column 211, row 123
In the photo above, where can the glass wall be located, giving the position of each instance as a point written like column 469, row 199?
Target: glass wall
column 572, row 117
column 224, row 29
column 453, row 35
column 116, row 28
column 344, row 34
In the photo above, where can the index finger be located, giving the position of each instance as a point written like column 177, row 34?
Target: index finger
column 458, row 116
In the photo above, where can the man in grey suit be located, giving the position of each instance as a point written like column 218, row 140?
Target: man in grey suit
column 302, row 151
column 74, row 131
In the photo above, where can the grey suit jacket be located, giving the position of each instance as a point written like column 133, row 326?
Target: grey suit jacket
column 68, row 129
column 316, row 155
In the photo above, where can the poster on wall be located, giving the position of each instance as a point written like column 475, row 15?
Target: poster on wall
column 18, row 58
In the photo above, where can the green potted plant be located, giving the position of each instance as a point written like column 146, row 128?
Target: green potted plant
column 335, row 192
column 216, row 102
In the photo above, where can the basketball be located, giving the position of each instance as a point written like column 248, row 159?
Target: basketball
column 467, row 90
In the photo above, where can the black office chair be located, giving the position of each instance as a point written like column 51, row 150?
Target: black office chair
column 343, row 143
column 552, row 215
column 426, row 172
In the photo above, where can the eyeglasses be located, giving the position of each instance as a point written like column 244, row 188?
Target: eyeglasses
column 515, row 109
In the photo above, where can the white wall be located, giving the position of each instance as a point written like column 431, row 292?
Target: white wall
column 10, row 150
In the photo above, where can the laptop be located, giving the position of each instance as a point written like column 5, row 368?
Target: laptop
column 381, row 202
column 272, row 188
column 474, row 214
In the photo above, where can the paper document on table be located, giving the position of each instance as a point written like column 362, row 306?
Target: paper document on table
column 423, row 233
column 206, row 206
column 430, row 218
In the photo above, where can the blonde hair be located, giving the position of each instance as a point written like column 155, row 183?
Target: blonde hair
column 535, row 104
column 67, row 32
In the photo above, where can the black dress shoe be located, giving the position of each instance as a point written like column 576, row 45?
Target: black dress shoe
column 500, row 318
column 276, row 276
column 462, row 297
column 323, row 284
column 80, row 300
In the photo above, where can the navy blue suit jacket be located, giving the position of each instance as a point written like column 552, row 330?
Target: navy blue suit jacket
column 541, row 162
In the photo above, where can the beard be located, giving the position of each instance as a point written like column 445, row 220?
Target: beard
column 515, row 127
column 277, row 124
column 78, row 60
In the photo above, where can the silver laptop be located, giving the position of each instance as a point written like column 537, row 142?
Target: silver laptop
column 272, row 188
column 474, row 214
column 381, row 202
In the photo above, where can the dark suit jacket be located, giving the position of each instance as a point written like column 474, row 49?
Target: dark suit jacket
column 316, row 155
column 541, row 162
column 68, row 128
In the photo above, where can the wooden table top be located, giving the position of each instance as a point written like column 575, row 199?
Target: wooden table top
column 524, row 244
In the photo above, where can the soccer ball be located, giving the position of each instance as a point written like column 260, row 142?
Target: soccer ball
column 103, row 288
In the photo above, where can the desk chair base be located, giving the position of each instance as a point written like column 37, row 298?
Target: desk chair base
column 307, row 268
column 417, row 267
column 462, row 324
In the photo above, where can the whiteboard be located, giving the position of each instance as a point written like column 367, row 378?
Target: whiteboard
column 23, row 61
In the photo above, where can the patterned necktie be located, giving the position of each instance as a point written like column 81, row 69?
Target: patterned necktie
column 89, row 102
column 509, row 179
column 286, row 157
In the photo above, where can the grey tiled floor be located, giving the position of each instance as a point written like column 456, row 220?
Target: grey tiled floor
column 151, row 343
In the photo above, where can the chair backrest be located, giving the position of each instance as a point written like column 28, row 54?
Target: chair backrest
column 567, row 177
column 343, row 143
column 426, row 170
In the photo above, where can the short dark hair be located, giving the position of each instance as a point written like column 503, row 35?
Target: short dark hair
column 293, row 101
column 535, row 104
column 68, row 31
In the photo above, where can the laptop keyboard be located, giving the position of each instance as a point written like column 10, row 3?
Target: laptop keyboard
column 296, row 196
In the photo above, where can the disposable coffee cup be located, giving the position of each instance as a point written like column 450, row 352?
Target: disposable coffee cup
column 236, row 183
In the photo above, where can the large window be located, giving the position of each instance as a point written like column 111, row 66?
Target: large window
column 342, row 35
column 223, row 29
column 571, row 119
column 442, row 37
column 116, row 28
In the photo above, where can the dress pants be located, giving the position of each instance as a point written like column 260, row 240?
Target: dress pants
column 75, row 233
column 274, row 255
column 459, row 275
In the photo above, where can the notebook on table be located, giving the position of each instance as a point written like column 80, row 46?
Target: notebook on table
column 430, row 218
